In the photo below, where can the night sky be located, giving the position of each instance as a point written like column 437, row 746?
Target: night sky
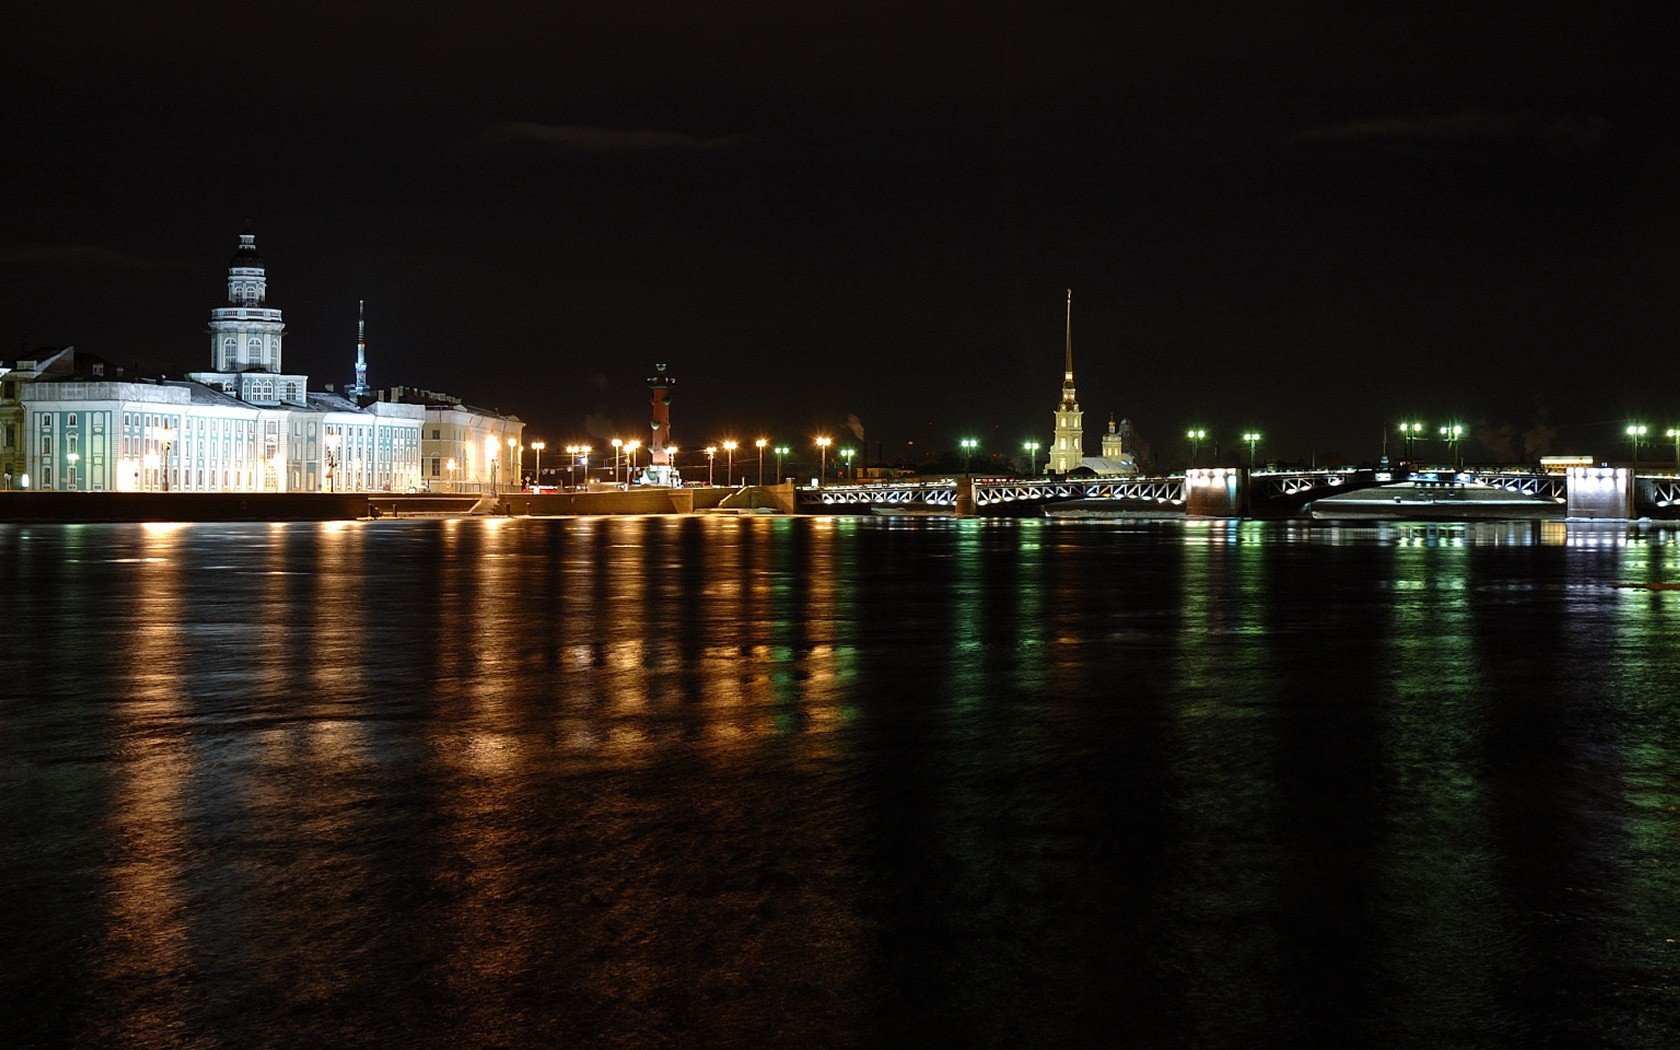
column 1278, row 216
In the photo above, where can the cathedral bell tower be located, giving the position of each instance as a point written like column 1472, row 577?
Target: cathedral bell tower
column 1067, row 447
column 245, row 334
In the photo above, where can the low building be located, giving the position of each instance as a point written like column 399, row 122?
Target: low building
column 462, row 448
column 1115, row 461
column 15, row 378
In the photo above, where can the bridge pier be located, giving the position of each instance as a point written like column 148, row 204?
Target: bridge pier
column 1600, row 492
column 965, row 497
column 1216, row 492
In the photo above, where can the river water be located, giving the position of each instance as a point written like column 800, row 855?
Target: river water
column 807, row 780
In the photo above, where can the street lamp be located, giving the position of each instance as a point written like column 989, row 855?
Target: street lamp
column 1253, row 439
column 584, row 451
column 537, row 447
column 1032, row 448
column 848, row 454
column 1674, row 435
column 968, row 447
column 711, row 458
column 822, row 468
column 1196, row 438
column 781, row 450
column 164, row 435
column 630, row 448
column 759, row 444
column 1451, row 434
column 571, row 466
column 1635, row 431
column 729, row 448
column 75, row 475
column 618, row 446
column 1409, row 432
column 455, row 479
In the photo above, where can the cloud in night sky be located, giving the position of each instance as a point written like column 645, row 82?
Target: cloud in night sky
column 1561, row 133
column 80, row 256
column 582, row 138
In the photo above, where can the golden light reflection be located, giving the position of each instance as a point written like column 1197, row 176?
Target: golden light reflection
column 147, row 922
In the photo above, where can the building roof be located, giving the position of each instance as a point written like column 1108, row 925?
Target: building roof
column 246, row 253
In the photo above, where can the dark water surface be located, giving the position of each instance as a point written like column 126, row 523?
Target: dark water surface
column 813, row 781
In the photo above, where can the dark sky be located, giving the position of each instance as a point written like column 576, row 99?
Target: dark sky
column 1292, row 217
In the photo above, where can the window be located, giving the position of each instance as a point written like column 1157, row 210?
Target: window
column 436, row 434
column 8, row 390
column 72, row 420
column 11, row 435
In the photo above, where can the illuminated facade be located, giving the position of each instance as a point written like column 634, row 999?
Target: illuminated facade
column 1067, row 445
column 462, row 448
column 247, row 426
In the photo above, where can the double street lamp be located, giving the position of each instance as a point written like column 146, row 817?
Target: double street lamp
column 968, row 447
column 1451, row 435
column 729, row 448
column 711, row 456
column 848, row 454
column 537, row 447
column 1195, row 437
column 1032, row 448
column 822, row 450
column 1409, row 433
column 760, row 445
column 1635, row 432
column 781, row 450
column 1252, row 439
column 1674, row 436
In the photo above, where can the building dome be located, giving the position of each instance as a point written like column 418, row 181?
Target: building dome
column 246, row 254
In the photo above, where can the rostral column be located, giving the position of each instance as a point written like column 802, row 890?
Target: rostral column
column 661, row 384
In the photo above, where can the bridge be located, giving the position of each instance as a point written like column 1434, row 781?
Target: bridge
column 1603, row 492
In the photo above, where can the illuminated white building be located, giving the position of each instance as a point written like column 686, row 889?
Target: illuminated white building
column 247, row 426
column 1115, row 460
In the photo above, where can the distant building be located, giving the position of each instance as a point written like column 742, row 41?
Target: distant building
column 1067, row 445
column 246, row 426
column 1115, row 460
column 462, row 448
column 15, row 378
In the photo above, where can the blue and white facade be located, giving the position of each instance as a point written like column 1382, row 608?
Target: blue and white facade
column 247, row 426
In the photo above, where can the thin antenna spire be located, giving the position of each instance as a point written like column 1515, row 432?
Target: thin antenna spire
column 360, row 387
column 1068, row 378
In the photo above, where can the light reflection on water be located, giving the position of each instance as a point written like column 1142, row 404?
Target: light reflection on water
column 790, row 779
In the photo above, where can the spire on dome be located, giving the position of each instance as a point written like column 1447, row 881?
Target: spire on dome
column 1067, row 371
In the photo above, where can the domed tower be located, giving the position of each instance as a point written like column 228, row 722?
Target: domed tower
column 245, row 334
column 1067, row 447
column 1113, row 443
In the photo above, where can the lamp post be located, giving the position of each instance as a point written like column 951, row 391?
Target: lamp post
column 1409, row 432
column 848, row 454
column 164, row 435
column 822, row 451
column 968, row 447
column 618, row 446
column 1635, row 431
column 630, row 449
column 1032, row 448
column 729, row 448
column 75, row 475
column 759, row 444
column 454, row 478
column 1451, row 435
column 781, row 450
column 1674, row 436
column 711, row 459
column 584, row 452
column 537, row 447
column 1252, row 437
column 1196, row 437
